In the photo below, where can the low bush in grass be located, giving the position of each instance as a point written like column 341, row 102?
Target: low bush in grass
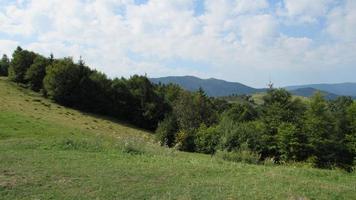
column 132, row 148
column 242, row 155
column 81, row 145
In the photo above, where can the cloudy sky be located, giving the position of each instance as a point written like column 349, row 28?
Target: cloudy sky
column 249, row 41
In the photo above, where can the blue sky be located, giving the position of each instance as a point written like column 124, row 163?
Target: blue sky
column 247, row 41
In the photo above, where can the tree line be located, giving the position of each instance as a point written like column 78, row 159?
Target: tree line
column 317, row 131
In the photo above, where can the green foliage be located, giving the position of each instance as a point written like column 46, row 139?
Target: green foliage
column 35, row 74
column 121, row 99
column 4, row 65
column 220, row 105
column 94, row 92
column 278, row 107
column 185, row 141
column 186, row 112
column 171, row 92
column 193, row 109
column 323, row 137
column 234, row 135
column 243, row 154
column 166, row 131
column 62, row 80
column 242, row 112
column 147, row 107
column 207, row 139
column 21, row 61
column 351, row 135
column 291, row 143
column 339, row 107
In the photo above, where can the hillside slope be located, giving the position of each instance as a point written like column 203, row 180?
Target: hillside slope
column 308, row 92
column 52, row 152
column 341, row 89
column 213, row 87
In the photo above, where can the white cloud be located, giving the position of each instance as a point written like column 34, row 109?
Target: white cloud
column 305, row 11
column 234, row 37
column 7, row 46
column 342, row 22
column 248, row 6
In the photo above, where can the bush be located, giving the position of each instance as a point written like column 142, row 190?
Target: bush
column 236, row 134
column 185, row 141
column 132, row 148
column 81, row 145
column 207, row 139
column 269, row 161
column 166, row 131
column 242, row 155
column 291, row 143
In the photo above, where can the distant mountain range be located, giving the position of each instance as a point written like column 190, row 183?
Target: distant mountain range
column 308, row 92
column 215, row 87
column 341, row 89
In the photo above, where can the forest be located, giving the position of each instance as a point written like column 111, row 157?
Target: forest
column 281, row 129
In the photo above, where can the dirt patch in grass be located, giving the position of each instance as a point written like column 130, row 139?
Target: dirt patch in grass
column 8, row 180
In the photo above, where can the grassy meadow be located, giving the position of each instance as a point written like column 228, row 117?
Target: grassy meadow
column 48, row 151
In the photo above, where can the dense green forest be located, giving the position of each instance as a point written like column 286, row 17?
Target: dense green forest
column 281, row 129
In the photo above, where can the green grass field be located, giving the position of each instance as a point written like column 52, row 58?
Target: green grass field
column 51, row 152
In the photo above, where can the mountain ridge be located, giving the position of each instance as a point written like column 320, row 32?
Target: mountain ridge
column 341, row 89
column 218, row 87
column 212, row 86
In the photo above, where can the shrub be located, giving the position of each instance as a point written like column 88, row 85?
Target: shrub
column 81, row 145
column 185, row 141
column 242, row 155
column 132, row 148
column 166, row 131
column 207, row 139
column 236, row 134
column 291, row 142
column 269, row 161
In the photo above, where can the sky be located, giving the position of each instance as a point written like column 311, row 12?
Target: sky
column 250, row 41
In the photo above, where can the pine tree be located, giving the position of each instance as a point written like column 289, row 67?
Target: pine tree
column 4, row 65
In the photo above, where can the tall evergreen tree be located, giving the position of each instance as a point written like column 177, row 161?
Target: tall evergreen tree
column 4, row 65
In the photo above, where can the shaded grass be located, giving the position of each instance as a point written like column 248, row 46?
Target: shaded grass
column 51, row 152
